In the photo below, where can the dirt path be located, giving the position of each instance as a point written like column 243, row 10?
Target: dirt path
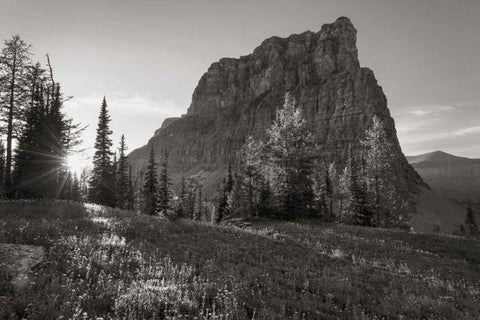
column 18, row 260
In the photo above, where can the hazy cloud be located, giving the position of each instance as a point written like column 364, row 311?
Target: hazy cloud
column 467, row 131
column 129, row 104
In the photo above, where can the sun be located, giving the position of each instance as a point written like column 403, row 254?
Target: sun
column 75, row 163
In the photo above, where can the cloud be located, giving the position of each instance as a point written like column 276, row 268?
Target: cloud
column 129, row 105
column 467, row 131
column 450, row 127
column 419, row 112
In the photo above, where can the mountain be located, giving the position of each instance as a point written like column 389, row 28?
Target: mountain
column 452, row 177
column 238, row 97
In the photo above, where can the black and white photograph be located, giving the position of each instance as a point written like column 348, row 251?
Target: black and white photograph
column 239, row 160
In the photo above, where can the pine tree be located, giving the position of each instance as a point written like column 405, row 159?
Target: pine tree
column 131, row 190
column 101, row 187
column 43, row 144
column 165, row 193
column 67, row 187
column 182, row 198
column 76, row 194
column 14, row 65
column 2, row 171
column 222, row 201
column 377, row 159
column 471, row 223
column 150, row 188
column 290, row 154
column 123, row 181
column 359, row 205
column 345, row 197
column 113, row 174
column 249, row 177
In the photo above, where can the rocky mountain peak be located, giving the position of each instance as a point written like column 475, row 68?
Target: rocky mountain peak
column 238, row 97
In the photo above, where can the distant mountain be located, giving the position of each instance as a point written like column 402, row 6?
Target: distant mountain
column 452, row 177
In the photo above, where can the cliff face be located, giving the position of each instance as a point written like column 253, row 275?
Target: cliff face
column 238, row 97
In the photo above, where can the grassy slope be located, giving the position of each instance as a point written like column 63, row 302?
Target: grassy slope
column 109, row 263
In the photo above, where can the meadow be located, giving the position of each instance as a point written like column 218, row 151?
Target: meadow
column 103, row 263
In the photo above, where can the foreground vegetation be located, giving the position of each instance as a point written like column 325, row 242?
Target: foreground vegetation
column 105, row 263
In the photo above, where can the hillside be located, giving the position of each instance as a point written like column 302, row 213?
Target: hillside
column 452, row 177
column 100, row 262
column 238, row 97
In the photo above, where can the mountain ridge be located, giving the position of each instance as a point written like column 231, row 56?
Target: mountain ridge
column 238, row 97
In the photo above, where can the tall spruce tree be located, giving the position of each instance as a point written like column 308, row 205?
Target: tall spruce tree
column 360, row 209
column 14, row 68
column 76, row 194
column 376, row 152
column 2, row 170
column 131, row 190
column 471, row 223
column 123, row 182
column 164, row 191
column 250, row 173
column 150, row 188
column 101, row 181
column 43, row 145
column 114, row 180
column 290, row 155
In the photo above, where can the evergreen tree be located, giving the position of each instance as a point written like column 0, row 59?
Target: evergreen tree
column 377, row 153
column 250, row 174
column 67, row 187
column 76, row 194
column 165, row 193
column 222, row 201
column 290, row 155
column 471, row 223
column 150, row 188
column 43, row 145
column 101, row 187
column 182, row 198
column 344, row 196
column 359, row 205
column 123, row 178
column 2, row 170
column 114, row 183
column 131, row 190
column 14, row 68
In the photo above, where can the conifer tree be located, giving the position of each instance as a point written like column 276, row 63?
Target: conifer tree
column 222, row 201
column 101, row 181
column 67, row 187
column 114, row 180
column 2, row 171
column 290, row 154
column 131, row 190
column 471, row 223
column 359, row 205
column 376, row 151
column 43, row 145
column 14, row 65
column 76, row 194
column 150, row 188
column 123, row 181
column 165, row 193
column 249, row 177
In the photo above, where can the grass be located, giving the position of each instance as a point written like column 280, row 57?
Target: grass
column 112, row 264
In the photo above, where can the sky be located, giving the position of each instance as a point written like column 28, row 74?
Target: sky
column 146, row 57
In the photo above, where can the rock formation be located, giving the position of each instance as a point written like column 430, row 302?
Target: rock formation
column 238, row 97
